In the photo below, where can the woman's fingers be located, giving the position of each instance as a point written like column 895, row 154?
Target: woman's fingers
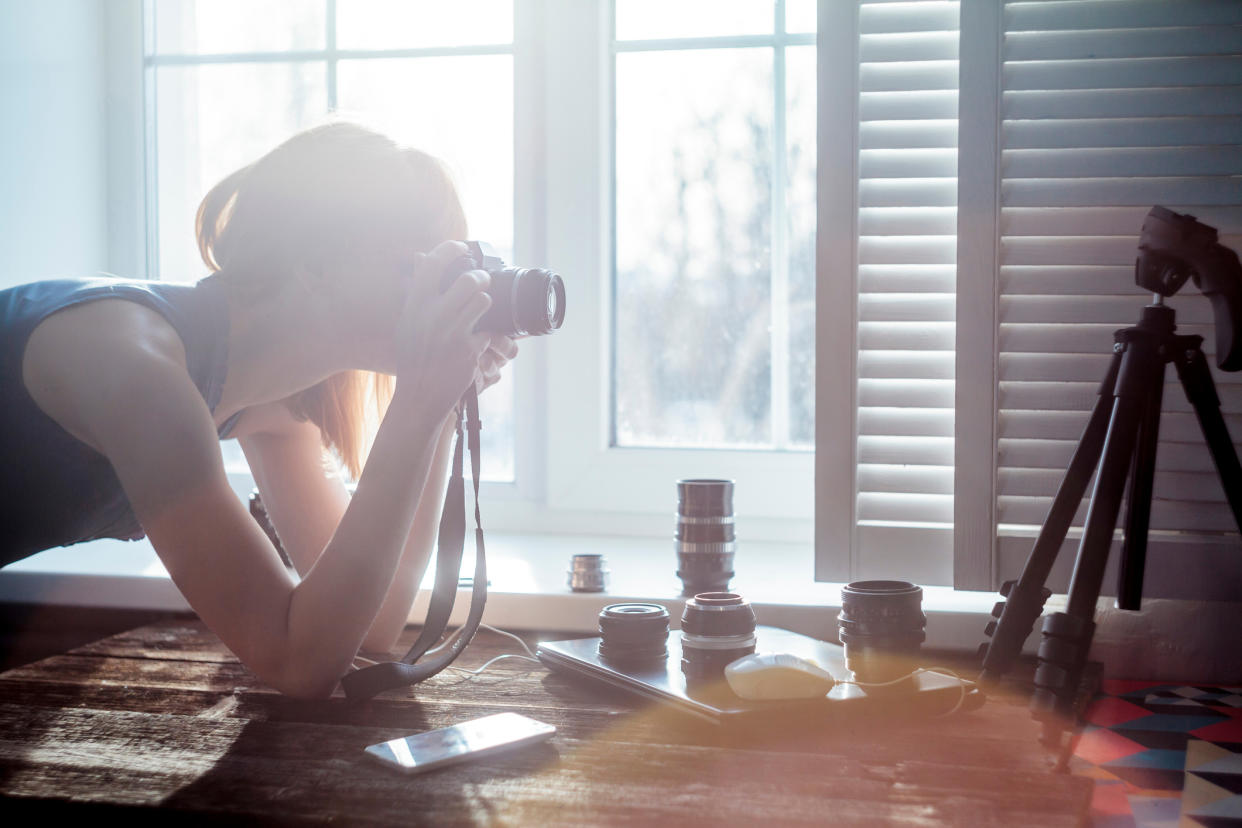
column 504, row 346
column 467, row 316
column 444, row 254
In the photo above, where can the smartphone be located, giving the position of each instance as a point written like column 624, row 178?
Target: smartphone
column 449, row 745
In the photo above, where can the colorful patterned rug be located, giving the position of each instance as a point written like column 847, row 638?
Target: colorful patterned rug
column 1163, row 755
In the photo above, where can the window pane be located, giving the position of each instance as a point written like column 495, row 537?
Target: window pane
column 459, row 109
column 210, row 121
column 653, row 19
column 213, row 26
column 800, row 202
column 693, row 247
column 468, row 123
column 800, row 16
column 403, row 24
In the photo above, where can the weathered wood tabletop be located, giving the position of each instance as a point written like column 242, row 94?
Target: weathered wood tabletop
column 163, row 719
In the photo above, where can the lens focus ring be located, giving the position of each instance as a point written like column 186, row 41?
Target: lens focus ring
column 635, row 633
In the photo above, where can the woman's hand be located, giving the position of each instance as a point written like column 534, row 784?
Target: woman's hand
column 498, row 354
column 438, row 352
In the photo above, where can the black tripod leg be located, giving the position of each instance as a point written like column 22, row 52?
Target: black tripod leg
column 1026, row 596
column 1067, row 635
column 1192, row 369
column 1138, row 501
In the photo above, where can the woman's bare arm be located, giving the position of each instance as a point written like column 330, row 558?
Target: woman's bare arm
column 120, row 384
column 298, row 636
column 306, row 502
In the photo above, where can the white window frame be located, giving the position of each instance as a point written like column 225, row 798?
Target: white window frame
column 585, row 477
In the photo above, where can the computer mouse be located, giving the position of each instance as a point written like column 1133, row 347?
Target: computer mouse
column 777, row 676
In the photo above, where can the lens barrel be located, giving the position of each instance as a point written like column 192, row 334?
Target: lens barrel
column 705, row 540
column 633, row 635
column 525, row 301
column 882, row 627
column 716, row 628
column 587, row 573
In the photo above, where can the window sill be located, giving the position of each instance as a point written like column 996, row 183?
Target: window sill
column 528, row 575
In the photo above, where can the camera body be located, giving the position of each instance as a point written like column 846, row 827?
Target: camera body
column 1174, row 247
column 526, row 301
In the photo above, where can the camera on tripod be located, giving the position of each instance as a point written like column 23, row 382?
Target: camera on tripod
column 1175, row 247
column 1121, row 436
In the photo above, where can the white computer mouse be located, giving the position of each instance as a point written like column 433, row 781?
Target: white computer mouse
column 777, row 676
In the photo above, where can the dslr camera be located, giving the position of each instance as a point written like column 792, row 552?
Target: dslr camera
column 1174, row 247
column 526, row 301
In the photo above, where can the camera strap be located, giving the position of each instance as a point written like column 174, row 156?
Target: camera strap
column 389, row 675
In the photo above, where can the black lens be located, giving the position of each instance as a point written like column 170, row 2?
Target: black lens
column 633, row 634
column 881, row 626
column 716, row 628
column 705, row 539
column 525, row 301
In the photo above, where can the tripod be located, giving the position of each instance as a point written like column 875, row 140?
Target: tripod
column 1121, row 434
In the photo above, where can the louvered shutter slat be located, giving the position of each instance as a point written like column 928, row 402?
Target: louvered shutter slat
column 907, row 250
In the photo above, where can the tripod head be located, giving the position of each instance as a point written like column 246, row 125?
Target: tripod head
column 1174, row 247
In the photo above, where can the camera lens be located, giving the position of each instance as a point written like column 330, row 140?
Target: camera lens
column 716, row 629
column 881, row 625
column 587, row 573
column 633, row 634
column 525, row 300
column 705, row 538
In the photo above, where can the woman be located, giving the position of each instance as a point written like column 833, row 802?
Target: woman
column 327, row 256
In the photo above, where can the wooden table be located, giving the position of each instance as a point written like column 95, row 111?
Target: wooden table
column 164, row 719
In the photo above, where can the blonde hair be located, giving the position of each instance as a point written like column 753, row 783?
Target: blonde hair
column 319, row 197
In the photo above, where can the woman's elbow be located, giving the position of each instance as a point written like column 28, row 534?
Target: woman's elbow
column 302, row 680
column 310, row 688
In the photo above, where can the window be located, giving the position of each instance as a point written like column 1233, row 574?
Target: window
column 219, row 94
column 683, row 195
column 713, row 338
column 550, row 122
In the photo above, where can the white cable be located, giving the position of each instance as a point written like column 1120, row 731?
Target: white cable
column 961, row 687
column 490, row 662
column 944, row 671
column 510, row 635
column 530, row 656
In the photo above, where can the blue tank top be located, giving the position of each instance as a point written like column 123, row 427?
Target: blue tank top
column 54, row 489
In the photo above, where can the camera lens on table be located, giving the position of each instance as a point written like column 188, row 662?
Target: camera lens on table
column 882, row 627
column 633, row 634
column 716, row 628
column 587, row 573
column 705, row 539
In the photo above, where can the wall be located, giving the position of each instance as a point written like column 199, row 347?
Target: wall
column 53, row 176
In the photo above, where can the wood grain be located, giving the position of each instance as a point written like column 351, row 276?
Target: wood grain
column 162, row 722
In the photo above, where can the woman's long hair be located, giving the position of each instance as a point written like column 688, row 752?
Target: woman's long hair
column 319, row 197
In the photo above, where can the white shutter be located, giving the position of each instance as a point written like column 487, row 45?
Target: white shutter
column 905, row 248
column 1107, row 107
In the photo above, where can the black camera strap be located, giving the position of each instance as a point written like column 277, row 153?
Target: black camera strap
column 389, row 675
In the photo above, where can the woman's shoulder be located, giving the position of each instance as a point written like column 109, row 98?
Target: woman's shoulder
column 90, row 360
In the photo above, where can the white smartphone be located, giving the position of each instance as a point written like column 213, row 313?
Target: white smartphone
column 449, row 745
